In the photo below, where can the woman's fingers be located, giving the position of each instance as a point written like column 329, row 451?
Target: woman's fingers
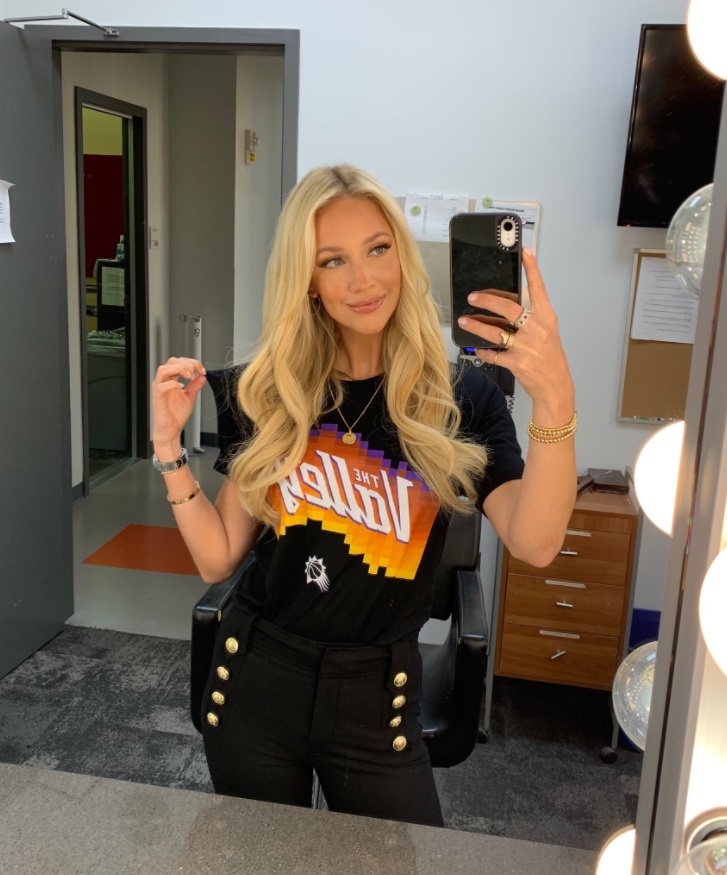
column 536, row 285
column 504, row 304
column 486, row 327
column 175, row 368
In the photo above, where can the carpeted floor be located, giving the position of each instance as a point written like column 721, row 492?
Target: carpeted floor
column 116, row 705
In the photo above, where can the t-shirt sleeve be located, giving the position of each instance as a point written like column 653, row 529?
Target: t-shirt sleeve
column 485, row 417
column 233, row 427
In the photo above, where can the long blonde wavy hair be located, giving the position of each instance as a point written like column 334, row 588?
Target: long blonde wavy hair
column 291, row 375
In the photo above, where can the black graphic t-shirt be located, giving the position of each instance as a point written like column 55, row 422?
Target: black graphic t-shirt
column 360, row 532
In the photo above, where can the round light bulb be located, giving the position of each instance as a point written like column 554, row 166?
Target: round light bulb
column 632, row 688
column 617, row 855
column 713, row 609
column 686, row 239
column 656, row 473
column 706, row 858
column 707, row 31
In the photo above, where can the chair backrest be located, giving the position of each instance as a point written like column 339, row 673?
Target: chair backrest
column 461, row 550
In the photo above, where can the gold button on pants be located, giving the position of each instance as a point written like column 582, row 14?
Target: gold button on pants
column 222, row 673
column 400, row 679
column 218, row 698
column 399, row 702
column 232, row 645
column 399, row 743
column 395, row 721
column 213, row 719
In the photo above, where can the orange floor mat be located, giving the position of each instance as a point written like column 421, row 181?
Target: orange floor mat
column 146, row 548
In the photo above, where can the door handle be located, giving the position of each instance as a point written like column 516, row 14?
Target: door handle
column 568, row 552
column 564, row 604
column 558, row 654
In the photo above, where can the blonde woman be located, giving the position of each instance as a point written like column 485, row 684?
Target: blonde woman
column 345, row 449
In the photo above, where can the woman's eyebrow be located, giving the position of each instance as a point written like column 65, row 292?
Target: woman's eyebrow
column 365, row 243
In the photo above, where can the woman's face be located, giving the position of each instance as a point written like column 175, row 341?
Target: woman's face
column 357, row 274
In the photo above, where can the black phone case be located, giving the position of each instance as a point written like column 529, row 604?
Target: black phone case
column 477, row 261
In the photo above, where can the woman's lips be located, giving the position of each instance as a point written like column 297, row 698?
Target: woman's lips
column 367, row 306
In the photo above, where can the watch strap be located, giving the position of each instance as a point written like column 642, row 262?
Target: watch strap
column 170, row 467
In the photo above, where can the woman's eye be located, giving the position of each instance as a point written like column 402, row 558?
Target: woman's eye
column 332, row 262
column 380, row 249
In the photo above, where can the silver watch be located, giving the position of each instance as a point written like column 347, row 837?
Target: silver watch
column 170, row 467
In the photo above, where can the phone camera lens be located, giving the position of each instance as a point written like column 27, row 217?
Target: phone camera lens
column 507, row 226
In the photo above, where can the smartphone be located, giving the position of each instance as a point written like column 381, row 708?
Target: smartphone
column 485, row 252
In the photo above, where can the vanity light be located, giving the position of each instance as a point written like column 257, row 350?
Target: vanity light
column 708, row 857
column 713, row 609
column 707, row 31
column 617, row 855
column 686, row 239
column 656, row 473
column 633, row 685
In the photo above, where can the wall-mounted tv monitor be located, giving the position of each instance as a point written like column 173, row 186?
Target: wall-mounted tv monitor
column 673, row 131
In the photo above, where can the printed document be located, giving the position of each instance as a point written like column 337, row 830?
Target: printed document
column 662, row 309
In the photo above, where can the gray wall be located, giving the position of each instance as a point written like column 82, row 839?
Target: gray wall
column 202, row 112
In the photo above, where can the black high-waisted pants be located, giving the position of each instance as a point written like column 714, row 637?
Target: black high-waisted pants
column 277, row 706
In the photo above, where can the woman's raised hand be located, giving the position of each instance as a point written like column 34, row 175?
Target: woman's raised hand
column 173, row 398
column 534, row 352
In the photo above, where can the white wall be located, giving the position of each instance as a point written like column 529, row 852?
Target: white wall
column 413, row 93
column 141, row 80
column 202, row 206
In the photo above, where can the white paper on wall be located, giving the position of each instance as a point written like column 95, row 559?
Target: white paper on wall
column 662, row 309
column 5, row 232
column 428, row 215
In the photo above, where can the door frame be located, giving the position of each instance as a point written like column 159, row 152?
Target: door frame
column 201, row 40
column 136, row 201
column 179, row 40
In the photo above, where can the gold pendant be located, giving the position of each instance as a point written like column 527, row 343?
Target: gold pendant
column 349, row 438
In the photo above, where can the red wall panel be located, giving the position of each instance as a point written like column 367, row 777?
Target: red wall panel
column 103, row 203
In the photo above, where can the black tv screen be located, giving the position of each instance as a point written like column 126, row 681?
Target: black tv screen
column 673, row 131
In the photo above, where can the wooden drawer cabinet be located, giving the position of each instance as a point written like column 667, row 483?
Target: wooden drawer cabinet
column 586, row 555
column 563, row 604
column 566, row 623
column 580, row 659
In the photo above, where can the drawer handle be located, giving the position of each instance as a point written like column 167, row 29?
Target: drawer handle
column 568, row 552
column 564, row 604
column 578, row 532
column 558, row 654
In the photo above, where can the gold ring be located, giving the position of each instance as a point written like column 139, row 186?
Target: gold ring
column 506, row 340
column 523, row 318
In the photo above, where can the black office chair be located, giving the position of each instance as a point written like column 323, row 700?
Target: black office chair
column 453, row 675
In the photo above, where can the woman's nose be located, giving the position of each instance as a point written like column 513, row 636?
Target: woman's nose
column 360, row 277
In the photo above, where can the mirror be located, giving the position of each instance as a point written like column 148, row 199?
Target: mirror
column 589, row 321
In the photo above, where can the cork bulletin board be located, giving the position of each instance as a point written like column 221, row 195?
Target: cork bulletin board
column 655, row 374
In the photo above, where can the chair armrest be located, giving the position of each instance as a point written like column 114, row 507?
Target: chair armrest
column 464, row 665
column 469, row 610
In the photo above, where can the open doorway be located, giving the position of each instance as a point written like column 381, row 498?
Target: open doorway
column 110, row 149
column 210, row 215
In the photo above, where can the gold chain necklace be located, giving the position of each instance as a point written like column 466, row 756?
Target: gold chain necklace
column 350, row 438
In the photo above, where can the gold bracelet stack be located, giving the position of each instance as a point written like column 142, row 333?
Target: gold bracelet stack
column 184, row 500
column 552, row 435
